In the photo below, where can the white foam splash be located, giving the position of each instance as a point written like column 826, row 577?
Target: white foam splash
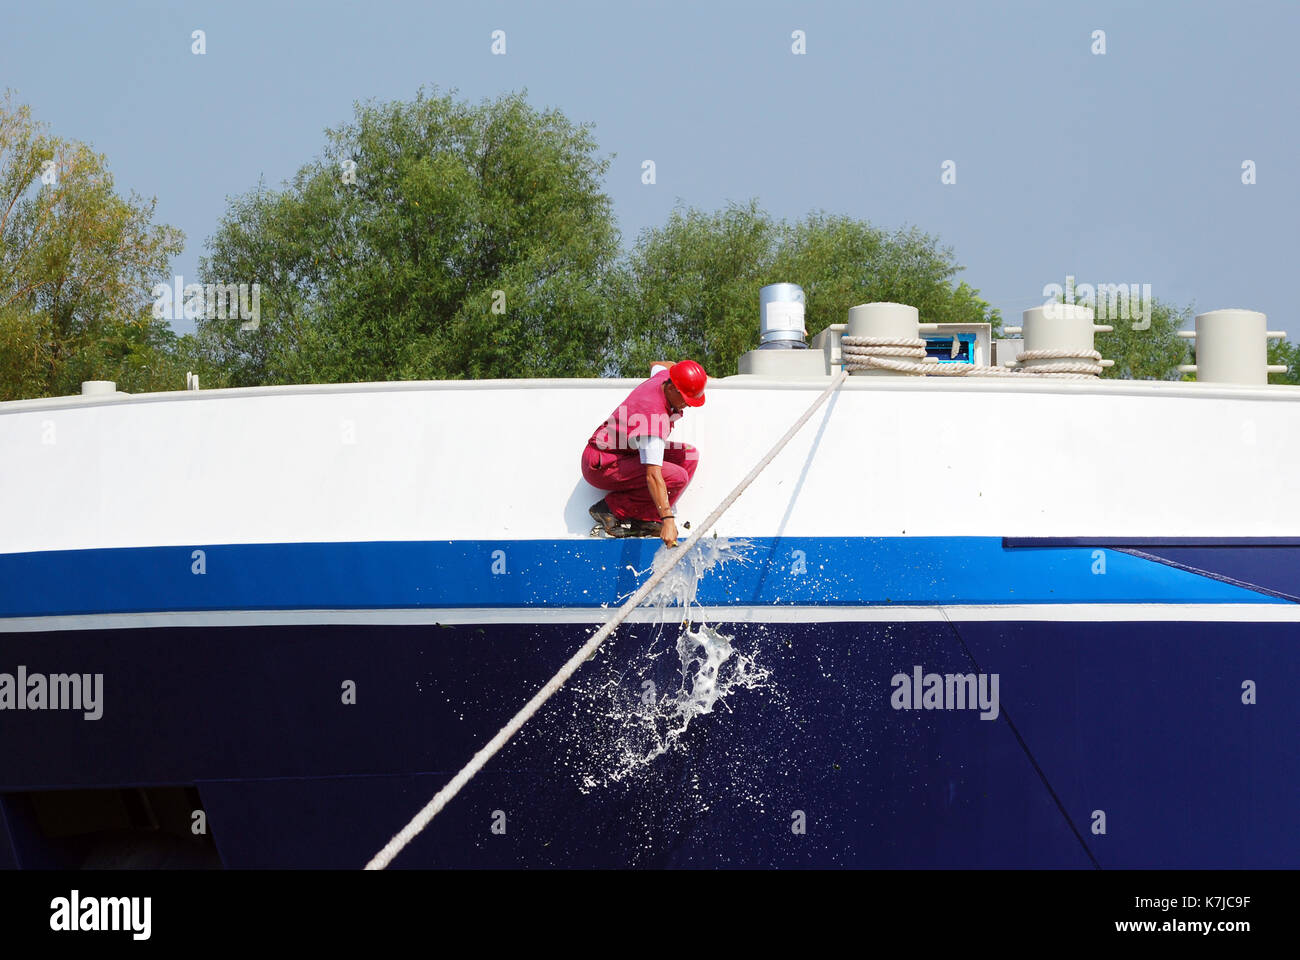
column 633, row 723
column 679, row 587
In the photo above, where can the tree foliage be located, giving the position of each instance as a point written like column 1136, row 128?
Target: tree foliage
column 437, row 239
column 385, row 257
column 1287, row 353
column 76, row 263
column 692, row 286
column 1147, row 354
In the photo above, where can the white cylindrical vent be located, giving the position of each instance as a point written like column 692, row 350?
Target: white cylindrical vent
column 98, row 387
column 1232, row 347
column 781, row 307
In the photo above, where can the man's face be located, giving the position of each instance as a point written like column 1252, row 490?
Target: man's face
column 674, row 396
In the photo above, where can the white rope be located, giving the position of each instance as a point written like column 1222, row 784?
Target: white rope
column 867, row 353
column 440, row 799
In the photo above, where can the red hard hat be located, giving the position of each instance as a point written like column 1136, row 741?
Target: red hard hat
column 689, row 378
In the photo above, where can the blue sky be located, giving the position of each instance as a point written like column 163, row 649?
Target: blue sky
column 1119, row 168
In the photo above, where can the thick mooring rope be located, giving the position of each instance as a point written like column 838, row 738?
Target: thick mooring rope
column 867, row 353
column 440, row 799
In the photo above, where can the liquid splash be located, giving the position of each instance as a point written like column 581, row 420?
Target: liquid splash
column 674, row 729
column 630, row 721
column 679, row 587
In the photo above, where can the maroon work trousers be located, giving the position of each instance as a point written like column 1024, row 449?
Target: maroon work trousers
column 622, row 476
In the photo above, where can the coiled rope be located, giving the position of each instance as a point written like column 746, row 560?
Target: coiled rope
column 866, row 353
column 440, row 799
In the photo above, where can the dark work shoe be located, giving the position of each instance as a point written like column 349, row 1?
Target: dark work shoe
column 646, row 528
column 601, row 513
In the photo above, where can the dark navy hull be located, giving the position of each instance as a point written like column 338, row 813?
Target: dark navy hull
column 1142, row 720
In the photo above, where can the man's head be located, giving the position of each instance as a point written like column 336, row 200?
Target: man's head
column 676, row 402
column 685, row 385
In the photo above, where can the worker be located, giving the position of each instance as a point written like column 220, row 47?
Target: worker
column 630, row 457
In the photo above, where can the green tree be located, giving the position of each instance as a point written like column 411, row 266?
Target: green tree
column 1147, row 354
column 843, row 262
column 76, row 264
column 431, row 240
column 1288, row 353
column 26, row 345
column 691, row 287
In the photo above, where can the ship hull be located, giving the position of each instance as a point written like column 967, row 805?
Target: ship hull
column 307, row 607
column 309, row 744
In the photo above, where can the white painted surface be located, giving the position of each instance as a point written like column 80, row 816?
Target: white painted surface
column 884, row 457
column 893, row 613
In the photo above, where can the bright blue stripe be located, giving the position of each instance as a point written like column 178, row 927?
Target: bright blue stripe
column 585, row 573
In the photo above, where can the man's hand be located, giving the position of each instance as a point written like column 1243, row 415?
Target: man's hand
column 669, row 532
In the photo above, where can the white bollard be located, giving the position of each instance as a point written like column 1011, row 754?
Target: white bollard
column 1058, row 326
column 1232, row 347
column 887, row 320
